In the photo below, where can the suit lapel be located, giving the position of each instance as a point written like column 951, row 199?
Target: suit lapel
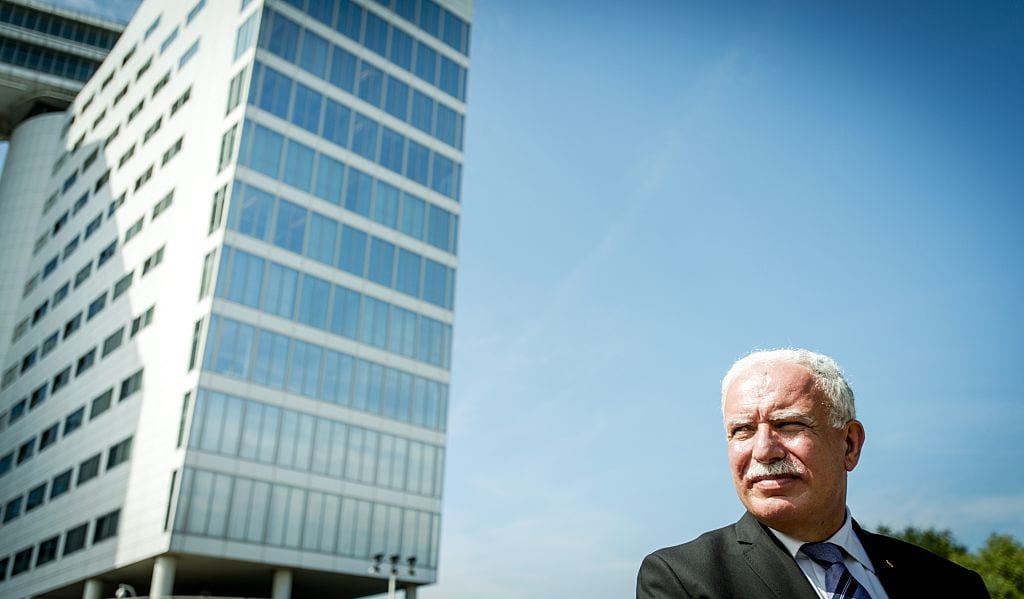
column 886, row 564
column 771, row 562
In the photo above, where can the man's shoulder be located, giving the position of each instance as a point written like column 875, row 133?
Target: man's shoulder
column 701, row 547
column 895, row 557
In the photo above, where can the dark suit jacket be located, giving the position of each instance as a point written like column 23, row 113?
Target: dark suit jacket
column 746, row 561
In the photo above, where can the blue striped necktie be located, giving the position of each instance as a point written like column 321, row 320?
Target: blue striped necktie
column 839, row 583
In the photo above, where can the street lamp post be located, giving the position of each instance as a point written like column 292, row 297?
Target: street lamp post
column 378, row 560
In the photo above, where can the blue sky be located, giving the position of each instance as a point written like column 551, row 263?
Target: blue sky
column 654, row 188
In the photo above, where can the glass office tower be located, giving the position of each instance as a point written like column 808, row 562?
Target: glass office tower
column 229, row 369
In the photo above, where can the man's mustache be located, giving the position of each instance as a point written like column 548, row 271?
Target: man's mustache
column 780, row 468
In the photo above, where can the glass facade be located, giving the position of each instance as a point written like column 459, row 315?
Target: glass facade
column 335, row 283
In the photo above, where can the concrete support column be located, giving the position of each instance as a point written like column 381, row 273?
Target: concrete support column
column 282, row 587
column 410, row 591
column 93, row 589
column 162, row 585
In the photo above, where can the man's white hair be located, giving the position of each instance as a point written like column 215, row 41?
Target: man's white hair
column 828, row 378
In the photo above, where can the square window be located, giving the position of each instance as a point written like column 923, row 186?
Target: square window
column 101, row 403
column 49, row 436
column 36, row 497
column 74, row 420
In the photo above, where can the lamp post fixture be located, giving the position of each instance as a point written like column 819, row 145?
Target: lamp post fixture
column 378, row 561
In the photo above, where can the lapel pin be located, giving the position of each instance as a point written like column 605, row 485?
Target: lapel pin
column 889, row 564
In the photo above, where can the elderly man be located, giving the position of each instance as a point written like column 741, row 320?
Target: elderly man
column 792, row 438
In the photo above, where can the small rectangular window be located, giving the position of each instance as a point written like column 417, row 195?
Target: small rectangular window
column 83, row 274
column 107, row 253
column 217, row 210
column 173, row 35
column 50, row 343
column 227, row 148
column 130, row 386
column 26, row 450
column 145, row 67
column 172, row 151
column 61, row 380
column 113, row 342
column 160, row 84
column 151, row 131
column 133, row 230
column 47, row 551
column 144, row 178
column 36, row 497
column 141, row 321
column 126, row 156
column 135, row 111
column 70, row 248
column 163, row 204
column 85, row 362
column 89, row 469
column 80, row 203
column 116, row 203
column 194, row 354
column 13, row 508
column 38, row 396
column 22, row 559
column 122, row 285
column 106, row 526
column 101, row 403
column 153, row 261
column 60, row 485
column 72, row 325
column 74, row 420
column 49, row 436
column 74, row 539
column 188, row 54
column 97, row 305
column 119, row 453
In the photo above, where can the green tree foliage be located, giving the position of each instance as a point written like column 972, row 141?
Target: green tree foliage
column 1000, row 561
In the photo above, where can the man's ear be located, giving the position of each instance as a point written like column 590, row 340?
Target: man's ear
column 854, row 444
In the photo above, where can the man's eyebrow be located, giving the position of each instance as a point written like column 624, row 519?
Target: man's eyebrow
column 733, row 422
column 790, row 415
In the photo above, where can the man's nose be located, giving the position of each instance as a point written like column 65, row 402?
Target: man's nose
column 767, row 446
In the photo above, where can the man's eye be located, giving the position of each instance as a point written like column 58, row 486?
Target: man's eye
column 741, row 432
column 791, row 426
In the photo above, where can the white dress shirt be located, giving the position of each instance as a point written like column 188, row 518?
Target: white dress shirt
column 854, row 557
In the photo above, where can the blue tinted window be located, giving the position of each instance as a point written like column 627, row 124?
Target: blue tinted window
column 329, row 178
column 408, row 273
column 375, row 36
column 338, row 379
column 403, row 336
column 400, row 52
column 441, row 180
column 235, row 349
column 271, row 359
column 306, row 112
column 246, row 279
column 430, row 17
column 323, row 234
column 374, row 325
column 353, row 251
column 450, row 77
column 434, row 282
column 279, row 298
column 454, row 32
column 275, row 91
column 298, row 165
column 371, row 83
column 322, row 10
column 385, row 205
column 266, row 151
column 313, row 303
column 254, row 212
column 382, row 258
column 416, row 162
column 314, row 53
column 290, row 226
column 392, row 146
column 343, row 69
column 358, row 192
column 281, row 37
column 413, row 210
column 445, row 126
column 350, row 17
column 426, row 63
column 422, row 112
column 336, row 119
column 345, row 312
column 406, row 9
column 397, row 101
column 364, row 137
column 304, row 376
column 437, row 228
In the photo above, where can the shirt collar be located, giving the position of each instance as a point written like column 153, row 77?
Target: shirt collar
column 845, row 537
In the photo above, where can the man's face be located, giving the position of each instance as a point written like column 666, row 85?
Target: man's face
column 788, row 463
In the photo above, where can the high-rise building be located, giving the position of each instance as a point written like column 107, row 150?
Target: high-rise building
column 227, row 370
